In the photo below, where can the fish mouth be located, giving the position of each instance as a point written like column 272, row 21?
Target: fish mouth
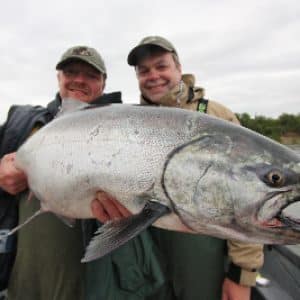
column 289, row 221
column 279, row 200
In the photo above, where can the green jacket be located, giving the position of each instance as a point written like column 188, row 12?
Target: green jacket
column 132, row 272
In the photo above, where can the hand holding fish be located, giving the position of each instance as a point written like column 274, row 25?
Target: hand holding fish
column 106, row 208
column 234, row 291
column 12, row 180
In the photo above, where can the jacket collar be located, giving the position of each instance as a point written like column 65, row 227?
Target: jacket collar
column 181, row 95
column 114, row 97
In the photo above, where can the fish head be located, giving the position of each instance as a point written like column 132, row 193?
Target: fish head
column 233, row 183
column 273, row 213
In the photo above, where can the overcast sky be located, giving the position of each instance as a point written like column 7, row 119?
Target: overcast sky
column 246, row 54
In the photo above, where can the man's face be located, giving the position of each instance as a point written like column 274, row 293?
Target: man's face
column 157, row 74
column 79, row 80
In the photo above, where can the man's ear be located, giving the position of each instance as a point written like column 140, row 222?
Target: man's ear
column 58, row 74
column 179, row 67
column 104, row 84
column 136, row 71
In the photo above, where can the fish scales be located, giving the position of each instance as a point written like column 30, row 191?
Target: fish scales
column 214, row 177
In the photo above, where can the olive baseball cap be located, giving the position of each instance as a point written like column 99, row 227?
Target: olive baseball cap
column 147, row 42
column 83, row 53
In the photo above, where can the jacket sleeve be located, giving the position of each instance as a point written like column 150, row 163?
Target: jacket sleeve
column 2, row 131
column 1, row 135
column 244, row 258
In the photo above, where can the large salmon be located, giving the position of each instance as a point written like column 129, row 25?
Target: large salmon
column 168, row 167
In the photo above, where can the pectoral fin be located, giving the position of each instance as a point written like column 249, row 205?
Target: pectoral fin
column 113, row 234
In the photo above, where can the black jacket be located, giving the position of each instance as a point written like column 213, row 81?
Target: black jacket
column 20, row 122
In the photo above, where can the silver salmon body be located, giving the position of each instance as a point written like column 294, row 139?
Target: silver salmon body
column 214, row 177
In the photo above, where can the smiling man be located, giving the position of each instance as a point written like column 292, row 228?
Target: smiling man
column 47, row 263
column 155, row 84
column 81, row 74
column 194, row 265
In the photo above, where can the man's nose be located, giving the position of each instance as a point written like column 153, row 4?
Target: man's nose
column 153, row 75
column 79, row 77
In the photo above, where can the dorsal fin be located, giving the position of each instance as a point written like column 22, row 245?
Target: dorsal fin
column 69, row 105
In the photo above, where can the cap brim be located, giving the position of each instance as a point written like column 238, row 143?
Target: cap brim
column 73, row 58
column 143, row 50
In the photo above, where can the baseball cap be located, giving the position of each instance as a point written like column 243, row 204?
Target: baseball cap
column 149, row 41
column 83, row 53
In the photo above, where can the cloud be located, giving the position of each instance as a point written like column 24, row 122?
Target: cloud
column 246, row 54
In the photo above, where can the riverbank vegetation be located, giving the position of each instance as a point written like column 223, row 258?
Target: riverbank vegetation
column 284, row 129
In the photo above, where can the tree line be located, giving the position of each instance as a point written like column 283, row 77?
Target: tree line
column 285, row 124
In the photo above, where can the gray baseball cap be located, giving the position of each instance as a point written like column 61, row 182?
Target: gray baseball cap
column 146, row 42
column 83, row 53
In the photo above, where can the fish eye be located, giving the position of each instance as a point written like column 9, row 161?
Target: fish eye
column 275, row 178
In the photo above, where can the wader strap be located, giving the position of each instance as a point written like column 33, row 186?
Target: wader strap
column 6, row 244
column 202, row 105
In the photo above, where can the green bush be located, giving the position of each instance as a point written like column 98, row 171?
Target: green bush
column 273, row 128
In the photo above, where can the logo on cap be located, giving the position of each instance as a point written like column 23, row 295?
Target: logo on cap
column 83, row 51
